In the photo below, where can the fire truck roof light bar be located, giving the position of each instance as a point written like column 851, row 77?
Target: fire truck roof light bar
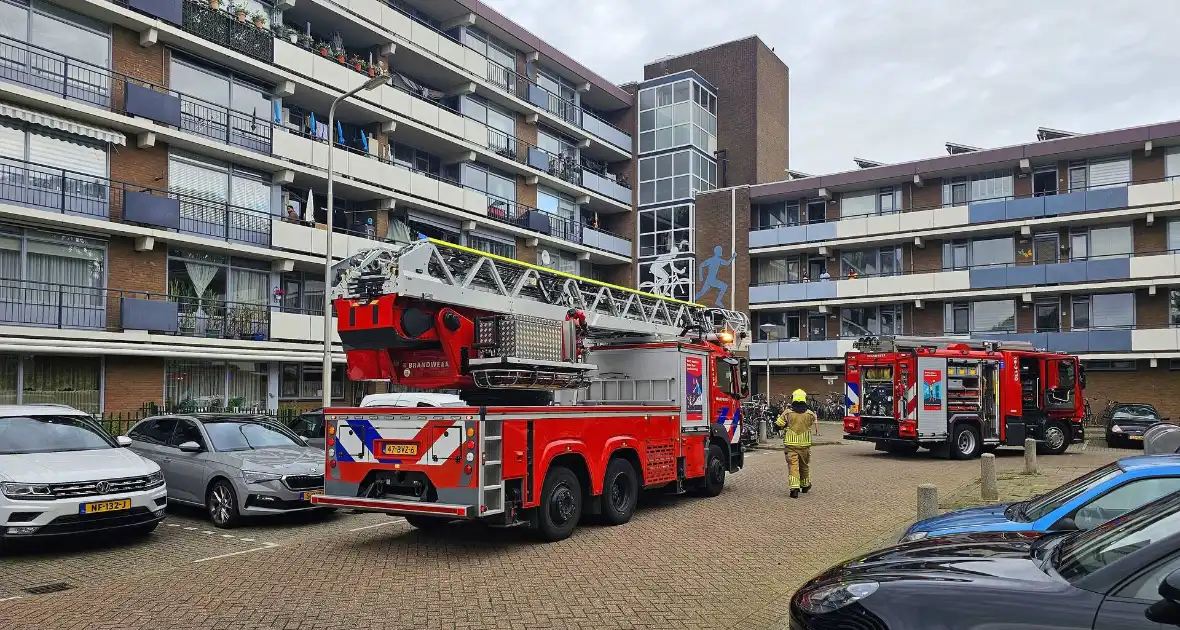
column 899, row 343
column 462, row 276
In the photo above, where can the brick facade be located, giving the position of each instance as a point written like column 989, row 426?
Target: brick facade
column 132, row 382
column 926, row 196
column 1147, row 168
column 716, row 226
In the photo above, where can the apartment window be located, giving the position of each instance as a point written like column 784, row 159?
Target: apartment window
column 884, row 261
column 817, row 211
column 70, row 48
column 1044, row 181
column 777, row 270
column 665, row 177
column 49, row 279
column 1172, row 162
column 211, row 286
column 955, row 255
column 1045, row 246
column 417, row 159
column 663, row 229
column 981, row 187
column 80, row 189
column 1173, row 235
column 499, row 53
column 889, row 200
column 192, row 386
column 992, row 316
column 871, row 320
column 1110, row 366
column 65, row 380
column 885, row 200
column 492, row 245
column 500, row 188
column 556, row 203
column 704, row 118
column 556, row 144
column 306, row 380
column 817, row 326
column 303, row 292
column 207, row 91
column 501, row 124
column 563, row 98
column 419, row 227
column 771, row 215
column 1174, row 307
column 787, row 324
column 1047, row 315
column 1099, row 173
column 1103, row 311
column 201, row 180
column 993, row 252
column 558, row 260
column 1104, row 242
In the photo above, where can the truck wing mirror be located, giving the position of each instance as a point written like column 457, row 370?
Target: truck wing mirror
column 743, row 378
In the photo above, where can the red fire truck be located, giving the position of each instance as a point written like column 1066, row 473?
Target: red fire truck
column 580, row 393
column 960, row 397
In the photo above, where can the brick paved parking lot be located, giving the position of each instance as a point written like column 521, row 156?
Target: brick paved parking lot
column 731, row 561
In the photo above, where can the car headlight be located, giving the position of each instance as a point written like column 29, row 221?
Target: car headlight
column 1116, row 429
column 820, row 600
column 155, row 479
column 26, row 491
column 912, row 536
column 258, row 477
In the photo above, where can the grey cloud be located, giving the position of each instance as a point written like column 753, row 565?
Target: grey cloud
column 892, row 80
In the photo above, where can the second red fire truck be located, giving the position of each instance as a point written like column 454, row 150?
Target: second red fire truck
column 580, row 393
column 961, row 397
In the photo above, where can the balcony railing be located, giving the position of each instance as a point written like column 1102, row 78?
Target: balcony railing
column 52, row 305
column 44, row 70
column 51, row 189
column 224, row 29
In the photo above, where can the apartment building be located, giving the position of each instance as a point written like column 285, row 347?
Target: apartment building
column 163, row 181
column 1069, row 242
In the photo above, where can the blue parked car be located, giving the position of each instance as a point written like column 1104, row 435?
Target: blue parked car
column 1084, row 503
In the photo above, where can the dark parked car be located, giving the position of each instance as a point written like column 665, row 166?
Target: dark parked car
column 310, row 427
column 1124, row 574
column 1127, row 421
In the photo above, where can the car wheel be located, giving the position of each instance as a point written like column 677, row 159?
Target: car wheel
column 1055, row 438
column 620, row 489
column 561, row 504
column 221, row 502
column 965, row 442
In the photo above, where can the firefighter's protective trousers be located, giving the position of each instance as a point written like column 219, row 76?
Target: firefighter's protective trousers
column 797, row 445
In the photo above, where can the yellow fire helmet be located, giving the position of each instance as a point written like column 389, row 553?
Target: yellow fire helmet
column 799, row 396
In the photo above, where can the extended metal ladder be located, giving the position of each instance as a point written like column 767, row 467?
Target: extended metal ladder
column 901, row 343
column 461, row 276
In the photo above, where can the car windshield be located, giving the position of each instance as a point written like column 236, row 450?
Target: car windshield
column 310, row 425
column 1061, row 495
column 51, row 434
column 247, row 435
column 1133, row 411
column 1086, row 552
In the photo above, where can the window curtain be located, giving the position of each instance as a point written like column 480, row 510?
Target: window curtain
column 248, row 286
column 247, row 385
column 398, row 232
column 194, row 385
column 1112, row 241
column 858, row 204
column 10, row 273
column 201, row 276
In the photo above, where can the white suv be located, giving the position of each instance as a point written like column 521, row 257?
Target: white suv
column 61, row 473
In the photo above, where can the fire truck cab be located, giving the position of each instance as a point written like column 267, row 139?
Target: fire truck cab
column 961, row 397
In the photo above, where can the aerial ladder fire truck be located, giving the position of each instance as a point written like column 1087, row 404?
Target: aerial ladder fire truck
column 581, row 393
column 961, row 397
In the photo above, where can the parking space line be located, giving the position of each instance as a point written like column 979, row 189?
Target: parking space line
column 391, row 522
column 264, row 546
column 190, row 529
column 8, row 599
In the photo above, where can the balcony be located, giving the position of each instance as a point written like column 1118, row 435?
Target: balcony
column 225, row 30
column 76, row 80
column 796, row 350
column 605, row 184
column 41, row 187
column 606, row 241
column 1074, row 341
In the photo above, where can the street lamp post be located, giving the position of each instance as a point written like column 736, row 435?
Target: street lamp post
column 769, row 329
column 372, row 83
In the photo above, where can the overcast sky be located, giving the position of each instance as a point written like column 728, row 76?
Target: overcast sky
column 893, row 80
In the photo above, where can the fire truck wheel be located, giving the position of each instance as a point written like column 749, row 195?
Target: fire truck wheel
column 714, row 472
column 620, row 489
column 965, row 444
column 1056, row 439
column 561, row 504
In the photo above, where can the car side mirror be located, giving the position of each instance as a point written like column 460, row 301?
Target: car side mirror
column 1167, row 610
column 189, row 447
column 123, row 441
column 1065, row 524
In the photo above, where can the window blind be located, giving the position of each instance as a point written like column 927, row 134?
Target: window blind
column 1108, row 173
column 993, row 316
column 858, row 204
column 1112, row 310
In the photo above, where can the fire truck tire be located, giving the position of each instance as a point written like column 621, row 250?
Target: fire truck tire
column 561, row 504
column 714, row 472
column 620, row 489
column 425, row 523
column 1056, row 439
column 965, row 443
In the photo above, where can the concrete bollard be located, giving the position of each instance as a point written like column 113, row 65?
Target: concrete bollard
column 762, row 430
column 1030, row 456
column 987, row 478
column 927, row 501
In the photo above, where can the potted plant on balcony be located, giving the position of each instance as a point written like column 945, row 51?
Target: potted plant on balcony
column 323, row 48
column 215, row 5
column 239, row 12
column 340, row 58
column 259, row 19
column 305, row 40
column 257, row 325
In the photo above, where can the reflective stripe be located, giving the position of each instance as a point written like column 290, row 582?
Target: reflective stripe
column 790, row 438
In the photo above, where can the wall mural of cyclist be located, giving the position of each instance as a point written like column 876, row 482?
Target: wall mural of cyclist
column 670, row 273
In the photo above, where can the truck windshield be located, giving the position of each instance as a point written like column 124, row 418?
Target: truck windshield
column 1063, row 494
column 725, row 377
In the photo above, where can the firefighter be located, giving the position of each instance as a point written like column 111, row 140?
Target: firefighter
column 799, row 422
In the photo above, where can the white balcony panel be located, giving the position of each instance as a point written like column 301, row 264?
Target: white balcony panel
column 1155, row 340
column 424, row 36
column 423, row 186
column 451, row 50
column 475, row 202
column 1161, row 265
column 319, row 153
column 884, row 224
column 450, row 195
column 294, row 58
column 397, row 178
column 424, row 112
column 394, row 21
column 475, row 63
column 369, row 169
column 950, row 217
column 452, row 123
column 918, row 220
column 889, row 285
column 475, row 132
column 1176, row 188
column 293, row 326
column 394, row 99
column 852, row 288
column 341, row 245
column 292, row 147
column 952, row 281
column 291, row 236
column 852, row 227
column 1150, row 194
column 327, row 71
column 843, row 347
